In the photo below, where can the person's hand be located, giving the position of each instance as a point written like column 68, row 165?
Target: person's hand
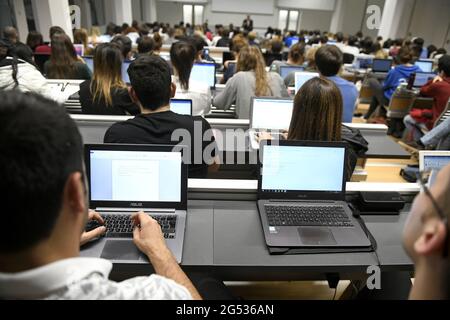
column 148, row 237
column 437, row 79
column 264, row 136
column 98, row 232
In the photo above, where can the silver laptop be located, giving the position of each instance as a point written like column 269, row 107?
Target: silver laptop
column 181, row 106
column 301, row 194
column 271, row 115
column 125, row 179
column 302, row 77
column 433, row 162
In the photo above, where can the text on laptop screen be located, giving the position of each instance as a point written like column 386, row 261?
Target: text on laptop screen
column 204, row 73
column 298, row 168
column 124, row 176
column 382, row 65
column 287, row 70
column 425, row 66
column 302, row 77
column 183, row 107
column 272, row 114
column 422, row 78
column 436, row 162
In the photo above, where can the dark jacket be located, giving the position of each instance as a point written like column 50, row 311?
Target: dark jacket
column 358, row 148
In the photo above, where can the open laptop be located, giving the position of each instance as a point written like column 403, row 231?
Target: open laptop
column 269, row 115
column 363, row 62
column 204, row 73
column 302, row 77
column 382, row 65
column 125, row 179
column 433, row 162
column 301, row 194
column 79, row 49
column 125, row 76
column 181, row 106
column 422, row 78
column 287, row 70
column 89, row 62
column 425, row 65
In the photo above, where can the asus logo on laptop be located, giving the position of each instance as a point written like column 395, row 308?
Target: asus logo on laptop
column 137, row 205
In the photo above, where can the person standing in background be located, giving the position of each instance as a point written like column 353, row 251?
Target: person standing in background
column 247, row 25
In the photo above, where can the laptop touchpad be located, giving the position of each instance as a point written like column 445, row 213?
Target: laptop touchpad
column 317, row 236
column 124, row 250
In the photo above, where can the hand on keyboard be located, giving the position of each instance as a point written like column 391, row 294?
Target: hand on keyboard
column 94, row 228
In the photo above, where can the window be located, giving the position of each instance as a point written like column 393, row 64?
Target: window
column 288, row 19
column 193, row 14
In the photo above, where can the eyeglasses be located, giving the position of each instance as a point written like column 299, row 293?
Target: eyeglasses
column 437, row 208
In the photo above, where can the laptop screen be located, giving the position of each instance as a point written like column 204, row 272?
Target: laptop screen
column 287, row 70
column 204, row 73
column 89, row 62
column 382, row 65
column 434, row 161
column 125, row 76
column 303, row 169
column 79, row 49
column 302, row 77
column 271, row 114
column 422, row 78
column 183, row 107
column 425, row 66
column 364, row 62
column 135, row 176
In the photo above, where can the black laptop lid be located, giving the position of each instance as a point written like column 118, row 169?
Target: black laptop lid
column 136, row 176
column 297, row 170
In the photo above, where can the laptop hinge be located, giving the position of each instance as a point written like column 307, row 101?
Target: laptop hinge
column 125, row 210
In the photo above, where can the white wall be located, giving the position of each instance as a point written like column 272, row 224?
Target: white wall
column 327, row 5
column 169, row 12
column 315, row 20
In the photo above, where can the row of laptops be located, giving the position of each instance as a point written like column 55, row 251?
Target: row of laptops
column 385, row 65
column 301, row 195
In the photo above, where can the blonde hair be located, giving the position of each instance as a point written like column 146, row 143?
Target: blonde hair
column 251, row 59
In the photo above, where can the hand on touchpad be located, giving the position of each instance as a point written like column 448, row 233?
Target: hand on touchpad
column 316, row 236
column 122, row 250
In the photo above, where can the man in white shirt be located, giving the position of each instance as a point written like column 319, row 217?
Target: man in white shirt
column 45, row 210
column 351, row 47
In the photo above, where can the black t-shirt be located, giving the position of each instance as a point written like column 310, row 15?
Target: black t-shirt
column 158, row 128
column 121, row 102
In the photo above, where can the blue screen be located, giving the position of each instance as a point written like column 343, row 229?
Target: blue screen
column 89, row 62
column 204, row 73
column 303, row 77
column 382, row 65
column 423, row 78
column 183, row 107
column 425, row 66
column 296, row 168
column 125, row 76
column 135, row 176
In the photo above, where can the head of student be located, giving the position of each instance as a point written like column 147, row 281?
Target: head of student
column 297, row 53
column 107, row 72
column 146, row 45
column 317, row 114
column 251, row 59
column 126, row 45
column 43, row 188
column 329, row 60
column 151, row 83
column 63, row 57
column 405, row 55
column 183, row 55
column 34, row 40
column 425, row 239
column 11, row 34
column 444, row 66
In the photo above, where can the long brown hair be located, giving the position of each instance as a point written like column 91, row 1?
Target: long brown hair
column 63, row 58
column 107, row 72
column 317, row 112
column 251, row 59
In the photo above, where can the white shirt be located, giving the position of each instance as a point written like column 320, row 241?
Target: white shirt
column 85, row 279
column 199, row 93
column 350, row 50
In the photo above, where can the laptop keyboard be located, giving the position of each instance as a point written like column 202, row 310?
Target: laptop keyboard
column 120, row 226
column 326, row 216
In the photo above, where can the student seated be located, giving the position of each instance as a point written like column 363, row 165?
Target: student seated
column 107, row 93
column 15, row 73
column 351, row 46
column 146, row 46
column 400, row 74
column 317, row 116
column 182, row 56
column 45, row 48
column 236, row 45
column 126, row 46
column 44, row 192
column 329, row 61
column 250, row 80
column 64, row 63
column 425, row 237
column 439, row 90
column 296, row 57
column 152, row 89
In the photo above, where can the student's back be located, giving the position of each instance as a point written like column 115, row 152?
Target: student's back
column 250, row 80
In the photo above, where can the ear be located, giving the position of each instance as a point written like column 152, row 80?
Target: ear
column 432, row 239
column 75, row 194
column 133, row 95
column 173, row 90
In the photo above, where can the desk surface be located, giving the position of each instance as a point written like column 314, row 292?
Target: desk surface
column 225, row 238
